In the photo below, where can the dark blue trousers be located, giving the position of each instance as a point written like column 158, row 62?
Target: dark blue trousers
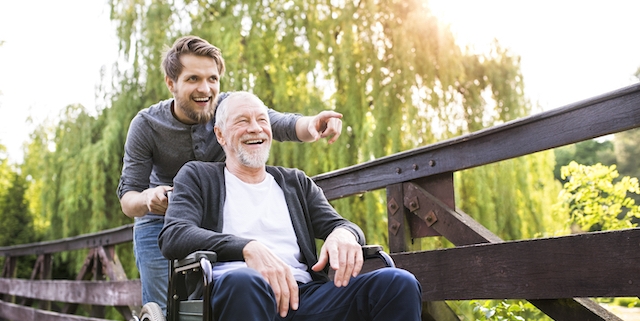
column 385, row 294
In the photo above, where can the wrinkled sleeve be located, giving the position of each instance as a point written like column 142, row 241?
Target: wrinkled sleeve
column 283, row 126
column 137, row 162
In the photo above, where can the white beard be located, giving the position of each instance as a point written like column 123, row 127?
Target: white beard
column 254, row 160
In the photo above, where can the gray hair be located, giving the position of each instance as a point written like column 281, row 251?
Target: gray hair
column 222, row 111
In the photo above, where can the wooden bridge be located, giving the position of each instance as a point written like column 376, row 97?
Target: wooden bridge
column 558, row 275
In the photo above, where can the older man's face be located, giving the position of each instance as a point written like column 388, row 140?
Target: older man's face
column 247, row 134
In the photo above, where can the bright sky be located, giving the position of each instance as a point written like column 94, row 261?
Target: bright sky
column 571, row 50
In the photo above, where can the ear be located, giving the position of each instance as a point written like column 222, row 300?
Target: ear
column 219, row 136
column 169, row 82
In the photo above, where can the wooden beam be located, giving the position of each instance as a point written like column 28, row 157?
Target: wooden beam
column 113, row 236
column 14, row 312
column 583, row 309
column 456, row 226
column 603, row 264
column 111, row 293
column 609, row 113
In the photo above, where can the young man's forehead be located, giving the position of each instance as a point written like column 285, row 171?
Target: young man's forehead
column 201, row 66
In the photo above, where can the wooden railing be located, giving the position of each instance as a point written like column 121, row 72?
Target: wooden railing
column 558, row 275
column 101, row 281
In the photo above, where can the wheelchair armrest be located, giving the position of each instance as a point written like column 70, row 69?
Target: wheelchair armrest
column 192, row 261
column 376, row 251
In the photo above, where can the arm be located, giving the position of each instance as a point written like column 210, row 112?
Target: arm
column 151, row 200
column 293, row 127
column 136, row 198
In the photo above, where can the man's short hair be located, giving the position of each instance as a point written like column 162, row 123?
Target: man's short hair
column 222, row 110
column 189, row 45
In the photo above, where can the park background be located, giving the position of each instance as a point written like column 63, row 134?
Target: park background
column 404, row 73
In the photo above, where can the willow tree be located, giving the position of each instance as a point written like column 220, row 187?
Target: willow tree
column 394, row 72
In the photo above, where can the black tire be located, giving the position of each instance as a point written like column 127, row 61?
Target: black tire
column 151, row 312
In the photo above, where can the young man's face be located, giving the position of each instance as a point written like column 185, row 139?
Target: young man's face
column 196, row 89
column 247, row 135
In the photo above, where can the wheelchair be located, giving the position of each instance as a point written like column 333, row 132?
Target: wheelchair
column 181, row 308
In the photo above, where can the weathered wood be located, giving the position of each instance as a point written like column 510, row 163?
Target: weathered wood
column 456, row 226
column 107, row 293
column 602, row 115
column 15, row 312
column 603, row 264
column 398, row 229
column 583, row 309
column 113, row 236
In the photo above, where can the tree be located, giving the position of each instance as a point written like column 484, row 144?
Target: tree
column 390, row 67
column 627, row 152
column 594, row 199
column 588, row 152
column 17, row 222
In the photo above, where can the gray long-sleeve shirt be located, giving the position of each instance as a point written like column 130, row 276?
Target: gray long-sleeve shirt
column 158, row 145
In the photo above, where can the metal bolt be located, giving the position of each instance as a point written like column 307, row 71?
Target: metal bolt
column 398, row 170
column 432, row 163
column 415, row 167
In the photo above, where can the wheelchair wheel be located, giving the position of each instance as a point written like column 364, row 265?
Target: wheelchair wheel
column 151, row 312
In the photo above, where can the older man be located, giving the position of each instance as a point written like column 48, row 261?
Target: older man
column 263, row 221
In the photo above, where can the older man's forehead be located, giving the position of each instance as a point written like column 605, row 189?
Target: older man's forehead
column 240, row 99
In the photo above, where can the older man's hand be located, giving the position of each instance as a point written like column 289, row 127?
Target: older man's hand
column 276, row 273
column 343, row 253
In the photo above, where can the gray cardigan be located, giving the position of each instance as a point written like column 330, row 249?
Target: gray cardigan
column 194, row 222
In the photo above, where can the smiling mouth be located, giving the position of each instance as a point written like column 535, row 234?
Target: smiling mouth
column 202, row 99
column 254, row 142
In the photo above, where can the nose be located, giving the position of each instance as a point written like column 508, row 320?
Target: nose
column 203, row 87
column 254, row 126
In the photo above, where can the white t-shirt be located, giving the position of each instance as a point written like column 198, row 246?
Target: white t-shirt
column 259, row 211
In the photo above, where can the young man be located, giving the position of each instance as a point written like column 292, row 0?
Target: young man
column 163, row 137
column 263, row 221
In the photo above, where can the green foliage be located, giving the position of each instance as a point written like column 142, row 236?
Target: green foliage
column 589, row 152
column 17, row 222
column 595, row 199
column 506, row 310
column 627, row 153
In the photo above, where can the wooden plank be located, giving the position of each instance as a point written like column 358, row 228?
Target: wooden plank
column 14, row 312
column 602, row 115
column 112, row 293
column 456, row 226
column 603, row 264
column 116, row 235
column 583, row 309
